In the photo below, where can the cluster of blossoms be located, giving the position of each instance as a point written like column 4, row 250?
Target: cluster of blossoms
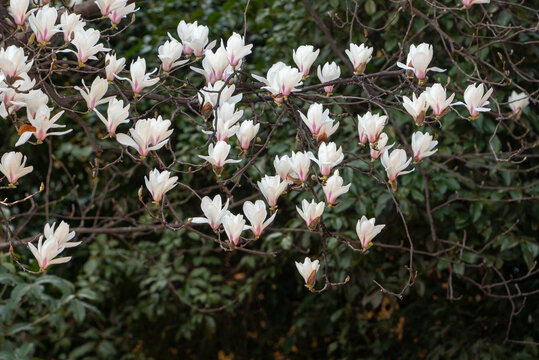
column 220, row 102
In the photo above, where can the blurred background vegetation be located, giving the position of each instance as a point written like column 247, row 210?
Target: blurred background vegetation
column 153, row 295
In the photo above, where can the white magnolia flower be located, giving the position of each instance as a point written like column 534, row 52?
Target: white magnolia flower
column 437, row 99
column 217, row 156
column 141, row 137
column 419, row 59
column 113, row 66
column 18, row 9
column 281, row 80
column 185, row 32
column 40, row 123
column 394, row 164
column 329, row 72
column 308, row 271
column 86, row 43
column 304, row 57
column 299, row 164
column 139, row 78
column 247, row 133
column 61, row 235
column 282, row 166
column 213, row 211
column 159, row 130
column 518, row 102
column 169, row 53
column 334, row 188
column 106, row 6
column 236, row 49
column 422, row 145
column 13, row 95
column 469, row 3
column 475, row 99
column 43, row 23
column 359, row 57
column 45, row 253
column 33, row 101
column 256, row 214
column 234, row 226
column 370, row 126
column 316, row 117
column 328, row 157
column 380, row 147
column 225, row 124
column 116, row 15
column 159, row 183
column 311, row 212
column 12, row 165
column 70, row 23
column 116, row 114
column 13, row 61
column 219, row 91
column 272, row 187
column 327, row 129
column 416, row 107
column 214, row 65
column 366, row 231
column 197, row 42
column 95, row 95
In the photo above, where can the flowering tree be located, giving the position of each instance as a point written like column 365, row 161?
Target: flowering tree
column 320, row 152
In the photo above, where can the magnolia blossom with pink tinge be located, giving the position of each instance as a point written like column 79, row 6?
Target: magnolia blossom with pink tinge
column 117, row 14
column 116, row 114
column 141, row 137
column 370, row 126
column 18, row 9
column 308, row 271
column 394, row 164
column 169, row 53
column 334, row 188
column 423, row 145
column 210, row 94
column 300, row 163
column 437, row 99
column 518, row 102
column 158, row 183
column 139, row 78
column 475, row 100
column 272, row 187
column 12, row 165
column 327, row 73
column 304, row 57
column 281, row 80
column 43, row 23
column 419, row 59
column 359, row 57
column 70, row 23
column 217, row 156
column 214, row 65
column 366, row 231
column 256, row 214
column 41, row 123
column 416, row 107
column 282, row 166
column 55, row 243
column 95, row 95
column 328, row 157
column 246, row 133
column 316, row 117
column 106, row 6
column 225, row 124
column 468, row 3
column 113, row 66
column 380, row 147
column 311, row 212
column 236, row 49
column 234, row 225
column 13, row 61
column 86, row 43
column 213, row 211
